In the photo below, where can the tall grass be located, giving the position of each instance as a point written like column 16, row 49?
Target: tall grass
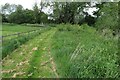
column 80, row 52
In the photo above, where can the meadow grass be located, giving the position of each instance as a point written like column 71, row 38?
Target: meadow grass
column 95, row 56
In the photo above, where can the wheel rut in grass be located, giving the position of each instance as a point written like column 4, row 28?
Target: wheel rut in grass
column 42, row 63
column 53, row 64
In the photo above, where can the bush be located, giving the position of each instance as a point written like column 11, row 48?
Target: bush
column 108, row 18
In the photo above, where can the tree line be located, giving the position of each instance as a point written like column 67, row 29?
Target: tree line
column 64, row 12
column 12, row 13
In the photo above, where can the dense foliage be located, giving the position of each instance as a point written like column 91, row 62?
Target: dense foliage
column 108, row 17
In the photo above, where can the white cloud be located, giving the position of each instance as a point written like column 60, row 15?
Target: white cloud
column 91, row 10
column 25, row 3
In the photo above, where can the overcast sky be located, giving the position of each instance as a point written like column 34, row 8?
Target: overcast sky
column 25, row 3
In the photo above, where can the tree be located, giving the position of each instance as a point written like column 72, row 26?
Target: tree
column 39, row 15
column 44, row 17
column 22, row 16
column 28, row 16
column 17, row 16
column 8, row 8
column 108, row 16
column 36, row 13
column 67, row 12
column 4, row 19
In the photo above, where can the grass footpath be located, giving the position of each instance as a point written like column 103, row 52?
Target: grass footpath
column 32, row 59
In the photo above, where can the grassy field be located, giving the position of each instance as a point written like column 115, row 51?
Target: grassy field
column 64, row 51
column 8, row 29
column 12, row 42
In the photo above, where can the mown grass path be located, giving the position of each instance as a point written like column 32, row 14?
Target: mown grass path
column 32, row 59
